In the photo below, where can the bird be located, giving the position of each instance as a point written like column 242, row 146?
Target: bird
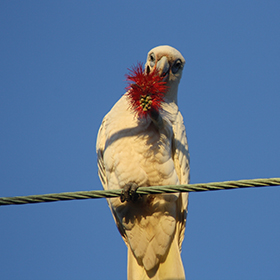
column 151, row 149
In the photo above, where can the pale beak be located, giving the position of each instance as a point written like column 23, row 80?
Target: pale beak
column 163, row 67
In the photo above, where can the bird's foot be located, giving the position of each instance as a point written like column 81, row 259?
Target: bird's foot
column 129, row 193
column 156, row 118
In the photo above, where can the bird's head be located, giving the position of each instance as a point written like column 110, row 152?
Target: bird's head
column 169, row 63
column 157, row 82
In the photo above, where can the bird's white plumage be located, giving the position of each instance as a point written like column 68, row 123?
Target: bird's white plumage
column 130, row 150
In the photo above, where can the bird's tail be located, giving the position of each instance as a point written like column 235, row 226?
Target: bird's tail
column 169, row 269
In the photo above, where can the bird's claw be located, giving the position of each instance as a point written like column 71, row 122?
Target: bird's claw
column 129, row 193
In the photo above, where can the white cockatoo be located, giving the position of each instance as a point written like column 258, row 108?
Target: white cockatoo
column 150, row 151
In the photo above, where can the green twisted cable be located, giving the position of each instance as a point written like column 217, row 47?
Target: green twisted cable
column 227, row 185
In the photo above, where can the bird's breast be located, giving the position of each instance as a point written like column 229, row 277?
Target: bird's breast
column 141, row 154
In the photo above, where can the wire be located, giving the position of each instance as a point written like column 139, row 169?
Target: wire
column 227, row 185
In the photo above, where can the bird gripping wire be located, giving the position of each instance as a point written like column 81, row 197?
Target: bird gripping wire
column 227, row 185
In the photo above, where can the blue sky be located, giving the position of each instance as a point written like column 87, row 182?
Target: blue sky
column 62, row 68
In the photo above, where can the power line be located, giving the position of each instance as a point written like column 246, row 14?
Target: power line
column 227, row 185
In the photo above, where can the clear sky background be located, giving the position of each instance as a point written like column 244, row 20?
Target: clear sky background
column 62, row 68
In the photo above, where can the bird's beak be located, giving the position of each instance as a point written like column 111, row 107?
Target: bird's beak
column 163, row 67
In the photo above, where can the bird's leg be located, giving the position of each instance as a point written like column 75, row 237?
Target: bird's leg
column 129, row 193
column 156, row 118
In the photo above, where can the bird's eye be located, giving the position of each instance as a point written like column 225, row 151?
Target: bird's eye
column 176, row 66
column 152, row 57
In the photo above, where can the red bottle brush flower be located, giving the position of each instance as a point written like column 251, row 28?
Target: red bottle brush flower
column 145, row 91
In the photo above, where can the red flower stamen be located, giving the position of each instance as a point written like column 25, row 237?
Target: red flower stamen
column 145, row 91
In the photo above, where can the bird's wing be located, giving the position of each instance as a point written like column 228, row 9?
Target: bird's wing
column 100, row 147
column 181, row 159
